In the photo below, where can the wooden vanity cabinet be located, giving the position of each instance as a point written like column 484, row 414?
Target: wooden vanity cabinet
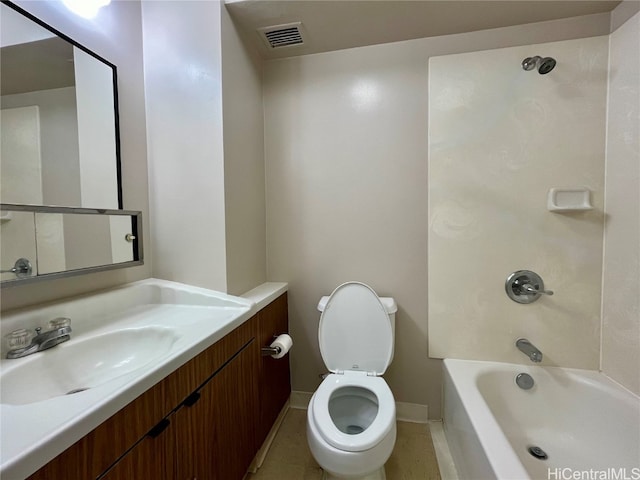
column 204, row 421
column 274, row 376
column 211, row 435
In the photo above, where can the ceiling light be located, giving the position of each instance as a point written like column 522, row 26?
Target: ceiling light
column 85, row 8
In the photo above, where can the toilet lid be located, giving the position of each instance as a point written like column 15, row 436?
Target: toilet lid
column 355, row 331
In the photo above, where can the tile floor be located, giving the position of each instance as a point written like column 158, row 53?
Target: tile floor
column 289, row 458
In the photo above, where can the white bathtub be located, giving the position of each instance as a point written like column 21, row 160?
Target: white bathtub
column 587, row 424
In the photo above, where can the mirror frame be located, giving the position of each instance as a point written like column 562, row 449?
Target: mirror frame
column 114, row 70
column 137, row 245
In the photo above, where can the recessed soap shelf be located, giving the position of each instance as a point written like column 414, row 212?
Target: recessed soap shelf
column 569, row 199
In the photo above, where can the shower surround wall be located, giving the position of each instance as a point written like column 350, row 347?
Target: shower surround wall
column 572, row 328
column 621, row 304
column 499, row 139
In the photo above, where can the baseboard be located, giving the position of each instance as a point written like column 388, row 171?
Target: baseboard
column 405, row 412
column 412, row 412
column 266, row 445
column 443, row 454
column 300, row 400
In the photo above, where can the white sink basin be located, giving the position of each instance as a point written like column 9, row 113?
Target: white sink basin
column 78, row 365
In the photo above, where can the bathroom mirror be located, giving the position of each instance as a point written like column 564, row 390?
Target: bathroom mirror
column 59, row 115
column 40, row 243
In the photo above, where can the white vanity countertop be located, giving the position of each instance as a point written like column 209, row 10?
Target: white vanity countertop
column 264, row 294
column 31, row 434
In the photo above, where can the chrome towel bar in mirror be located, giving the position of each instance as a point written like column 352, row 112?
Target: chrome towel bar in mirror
column 22, row 268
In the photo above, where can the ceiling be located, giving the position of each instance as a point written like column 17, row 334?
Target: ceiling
column 39, row 65
column 337, row 24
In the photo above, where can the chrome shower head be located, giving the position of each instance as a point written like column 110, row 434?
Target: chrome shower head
column 544, row 65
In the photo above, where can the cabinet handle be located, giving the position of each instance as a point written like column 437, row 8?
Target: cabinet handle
column 192, row 399
column 159, row 428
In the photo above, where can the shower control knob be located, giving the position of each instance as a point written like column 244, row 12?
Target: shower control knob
column 525, row 286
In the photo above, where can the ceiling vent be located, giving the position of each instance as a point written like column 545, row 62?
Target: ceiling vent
column 278, row 36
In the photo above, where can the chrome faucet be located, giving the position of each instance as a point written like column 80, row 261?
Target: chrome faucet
column 526, row 347
column 59, row 333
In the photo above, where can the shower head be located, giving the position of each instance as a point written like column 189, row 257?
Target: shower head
column 544, row 65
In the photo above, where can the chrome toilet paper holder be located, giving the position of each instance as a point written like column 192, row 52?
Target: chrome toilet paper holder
column 269, row 350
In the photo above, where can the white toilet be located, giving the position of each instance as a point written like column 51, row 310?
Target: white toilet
column 351, row 419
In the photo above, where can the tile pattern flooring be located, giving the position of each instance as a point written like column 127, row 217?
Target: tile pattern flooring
column 289, row 458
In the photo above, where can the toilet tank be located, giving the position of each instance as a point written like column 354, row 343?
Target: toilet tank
column 389, row 304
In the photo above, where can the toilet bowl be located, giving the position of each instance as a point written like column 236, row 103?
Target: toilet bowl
column 351, row 418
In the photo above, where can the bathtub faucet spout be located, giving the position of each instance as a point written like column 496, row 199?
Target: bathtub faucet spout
column 526, row 347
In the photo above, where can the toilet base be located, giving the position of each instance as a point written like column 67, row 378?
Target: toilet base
column 377, row 475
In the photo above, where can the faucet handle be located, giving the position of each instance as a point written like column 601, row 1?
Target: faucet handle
column 19, row 338
column 534, row 291
column 38, row 330
column 59, row 322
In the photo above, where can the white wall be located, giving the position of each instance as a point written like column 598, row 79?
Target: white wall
column 50, row 242
column 15, row 29
column 346, row 169
column 96, row 132
column 207, row 191
column 243, row 161
column 20, row 156
column 121, row 248
column 59, row 142
column 182, row 62
column 87, row 240
column 621, row 275
column 499, row 138
column 116, row 35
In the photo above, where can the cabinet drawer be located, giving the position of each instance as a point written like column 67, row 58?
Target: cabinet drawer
column 196, row 371
column 95, row 452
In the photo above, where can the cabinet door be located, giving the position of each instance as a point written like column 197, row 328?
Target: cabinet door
column 215, row 437
column 150, row 458
column 274, row 375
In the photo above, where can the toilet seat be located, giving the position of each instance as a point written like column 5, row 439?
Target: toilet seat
column 381, row 425
column 355, row 331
